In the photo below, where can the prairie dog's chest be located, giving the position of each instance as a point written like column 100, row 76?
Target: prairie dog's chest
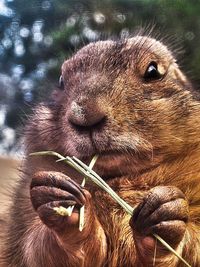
column 109, row 211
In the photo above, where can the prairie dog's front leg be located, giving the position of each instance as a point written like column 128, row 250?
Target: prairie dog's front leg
column 164, row 211
column 53, row 189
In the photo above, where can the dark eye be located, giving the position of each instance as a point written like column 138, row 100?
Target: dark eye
column 61, row 83
column 152, row 72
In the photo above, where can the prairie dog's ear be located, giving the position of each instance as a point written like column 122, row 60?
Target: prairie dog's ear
column 178, row 74
column 61, row 85
column 56, row 95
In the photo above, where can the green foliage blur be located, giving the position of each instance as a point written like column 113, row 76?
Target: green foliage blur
column 36, row 36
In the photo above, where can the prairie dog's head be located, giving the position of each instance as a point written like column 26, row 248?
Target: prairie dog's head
column 120, row 98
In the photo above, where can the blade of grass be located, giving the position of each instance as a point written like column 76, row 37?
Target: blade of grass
column 154, row 254
column 106, row 187
column 64, row 211
column 171, row 249
column 82, row 209
column 91, row 165
column 87, row 172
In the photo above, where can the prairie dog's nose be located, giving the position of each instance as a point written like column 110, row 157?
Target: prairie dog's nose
column 86, row 115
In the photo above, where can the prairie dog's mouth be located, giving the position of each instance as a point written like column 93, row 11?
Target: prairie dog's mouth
column 114, row 159
column 111, row 165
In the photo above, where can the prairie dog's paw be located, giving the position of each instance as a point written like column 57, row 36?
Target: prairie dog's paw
column 164, row 211
column 50, row 190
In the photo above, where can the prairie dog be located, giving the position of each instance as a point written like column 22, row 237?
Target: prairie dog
column 129, row 102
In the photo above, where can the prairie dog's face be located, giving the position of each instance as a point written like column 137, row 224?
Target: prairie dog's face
column 121, row 98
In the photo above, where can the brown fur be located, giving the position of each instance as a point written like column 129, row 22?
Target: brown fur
column 150, row 138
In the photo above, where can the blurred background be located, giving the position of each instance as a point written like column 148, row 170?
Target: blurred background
column 36, row 37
